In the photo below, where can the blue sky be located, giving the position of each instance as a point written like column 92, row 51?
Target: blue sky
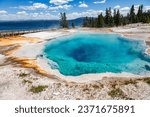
column 50, row 9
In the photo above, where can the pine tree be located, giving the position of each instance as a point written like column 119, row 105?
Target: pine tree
column 100, row 21
column 111, row 24
column 107, row 17
column 63, row 20
column 146, row 17
column 132, row 15
column 92, row 22
column 111, row 20
column 140, row 14
column 85, row 22
column 114, row 17
column 128, row 18
column 118, row 18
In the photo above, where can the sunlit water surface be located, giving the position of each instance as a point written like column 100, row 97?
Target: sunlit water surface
column 85, row 53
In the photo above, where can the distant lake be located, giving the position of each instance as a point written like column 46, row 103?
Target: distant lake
column 33, row 24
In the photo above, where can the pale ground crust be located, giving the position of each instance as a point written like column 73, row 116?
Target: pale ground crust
column 21, row 69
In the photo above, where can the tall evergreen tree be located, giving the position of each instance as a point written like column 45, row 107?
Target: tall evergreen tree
column 85, row 22
column 107, row 17
column 128, row 18
column 132, row 14
column 114, row 17
column 146, row 17
column 140, row 14
column 118, row 18
column 111, row 20
column 63, row 20
column 92, row 22
column 100, row 21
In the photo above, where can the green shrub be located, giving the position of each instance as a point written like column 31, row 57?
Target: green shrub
column 38, row 89
column 116, row 92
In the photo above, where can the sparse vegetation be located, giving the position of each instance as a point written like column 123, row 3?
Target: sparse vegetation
column 130, row 82
column 38, row 89
column 117, row 92
column 98, row 86
column 27, row 81
column 23, row 74
column 147, row 80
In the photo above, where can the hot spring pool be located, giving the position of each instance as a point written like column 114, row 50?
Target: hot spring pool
column 85, row 53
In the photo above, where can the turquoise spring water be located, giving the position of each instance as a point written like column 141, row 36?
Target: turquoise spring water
column 85, row 53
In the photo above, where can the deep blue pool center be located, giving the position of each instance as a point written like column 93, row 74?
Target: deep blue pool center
column 85, row 53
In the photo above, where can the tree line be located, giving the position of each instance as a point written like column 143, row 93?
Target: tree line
column 111, row 19
column 117, row 19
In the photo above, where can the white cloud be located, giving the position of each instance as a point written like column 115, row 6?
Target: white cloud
column 66, row 6
column 89, row 13
column 42, row 16
column 83, row 5
column 136, row 6
column 125, row 9
column 59, row 2
column 22, row 13
column 60, row 7
column 100, row 2
column 2, row 12
column 34, row 6
column 117, row 7
column 29, row 16
column 146, row 8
